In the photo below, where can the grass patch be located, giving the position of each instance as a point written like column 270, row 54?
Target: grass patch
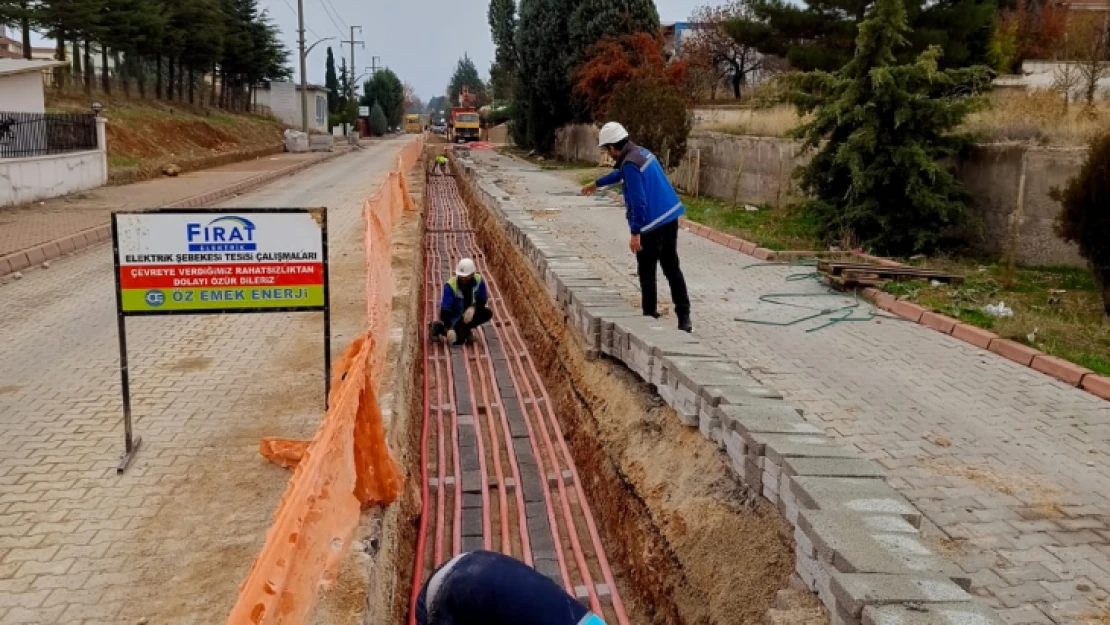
column 1057, row 310
column 782, row 228
column 123, row 162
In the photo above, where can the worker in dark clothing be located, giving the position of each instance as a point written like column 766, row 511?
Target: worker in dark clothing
column 652, row 208
column 485, row 588
column 464, row 305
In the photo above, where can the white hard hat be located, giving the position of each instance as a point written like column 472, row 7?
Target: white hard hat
column 465, row 268
column 611, row 133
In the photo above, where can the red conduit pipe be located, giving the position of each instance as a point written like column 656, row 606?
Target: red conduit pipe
column 603, row 561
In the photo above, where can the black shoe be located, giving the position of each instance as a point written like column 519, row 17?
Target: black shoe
column 436, row 329
column 654, row 315
column 684, row 324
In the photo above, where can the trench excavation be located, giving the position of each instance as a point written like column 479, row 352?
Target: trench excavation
column 519, row 443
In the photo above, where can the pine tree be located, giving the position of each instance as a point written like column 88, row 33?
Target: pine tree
column 594, row 19
column 378, row 123
column 544, row 95
column 821, row 34
column 331, row 81
column 466, row 74
column 386, row 91
column 883, row 133
column 502, row 25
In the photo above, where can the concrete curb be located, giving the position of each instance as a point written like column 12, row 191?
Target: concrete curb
column 857, row 544
column 1067, row 372
column 31, row 257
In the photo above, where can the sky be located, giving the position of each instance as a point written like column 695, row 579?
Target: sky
column 420, row 40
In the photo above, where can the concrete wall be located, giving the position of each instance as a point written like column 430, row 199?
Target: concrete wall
column 21, row 93
column 994, row 172
column 39, row 177
column 758, row 170
column 292, row 117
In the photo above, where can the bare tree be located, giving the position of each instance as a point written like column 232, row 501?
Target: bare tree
column 724, row 42
column 1092, row 45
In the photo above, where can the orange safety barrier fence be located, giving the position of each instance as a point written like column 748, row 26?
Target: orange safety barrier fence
column 347, row 465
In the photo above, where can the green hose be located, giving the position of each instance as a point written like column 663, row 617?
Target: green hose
column 842, row 314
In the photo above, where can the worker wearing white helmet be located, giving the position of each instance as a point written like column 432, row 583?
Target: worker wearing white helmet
column 464, row 305
column 652, row 208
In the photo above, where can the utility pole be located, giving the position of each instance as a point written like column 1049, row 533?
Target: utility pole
column 304, row 71
column 374, row 65
column 353, row 41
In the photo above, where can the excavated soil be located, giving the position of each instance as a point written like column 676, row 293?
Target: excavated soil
column 692, row 544
column 688, row 543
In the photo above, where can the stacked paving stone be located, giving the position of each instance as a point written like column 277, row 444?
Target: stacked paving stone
column 858, row 545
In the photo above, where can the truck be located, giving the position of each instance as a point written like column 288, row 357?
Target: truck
column 413, row 125
column 464, row 125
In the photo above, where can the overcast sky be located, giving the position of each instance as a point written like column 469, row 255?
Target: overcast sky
column 421, row 40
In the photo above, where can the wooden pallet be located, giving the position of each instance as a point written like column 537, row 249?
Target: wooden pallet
column 859, row 273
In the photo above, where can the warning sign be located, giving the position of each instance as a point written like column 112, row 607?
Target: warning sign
column 209, row 261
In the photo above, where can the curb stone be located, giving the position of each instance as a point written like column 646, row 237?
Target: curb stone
column 1067, row 372
column 796, row 467
column 33, row 256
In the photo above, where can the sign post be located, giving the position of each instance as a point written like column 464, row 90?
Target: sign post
column 217, row 261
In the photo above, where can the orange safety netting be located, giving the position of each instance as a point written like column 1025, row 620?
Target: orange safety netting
column 347, row 465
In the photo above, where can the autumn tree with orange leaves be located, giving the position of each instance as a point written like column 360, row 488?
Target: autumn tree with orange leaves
column 614, row 62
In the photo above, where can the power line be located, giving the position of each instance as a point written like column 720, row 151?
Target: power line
column 295, row 14
column 334, row 20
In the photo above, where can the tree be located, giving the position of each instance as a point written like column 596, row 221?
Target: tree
column 346, row 88
column 726, row 42
column 386, row 90
column 331, row 81
column 655, row 114
column 612, row 63
column 593, row 20
column 413, row 103
column 822, row 33
column 1091, row 41
column 466, row 74
column 883, row 132
column 543, row 92
column 1084, row 218
column 502, row 25
column 378, row 123
column 18, row 12
column 437, row 104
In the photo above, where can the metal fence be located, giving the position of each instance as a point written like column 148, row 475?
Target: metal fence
column 39, row 134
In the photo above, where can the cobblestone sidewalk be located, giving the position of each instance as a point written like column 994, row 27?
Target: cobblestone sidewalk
column 1009, row 466
column 170, row 540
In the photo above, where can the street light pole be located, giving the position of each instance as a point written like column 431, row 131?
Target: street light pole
column 304, row 71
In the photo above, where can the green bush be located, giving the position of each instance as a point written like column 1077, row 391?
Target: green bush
column 655, row 115
column 378, row 124
column 1084, row 216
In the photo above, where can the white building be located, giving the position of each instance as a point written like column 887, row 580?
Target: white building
column 284, row 100
column 44, row 156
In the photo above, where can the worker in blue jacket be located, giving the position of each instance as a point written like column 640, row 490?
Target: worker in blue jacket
column 465, row 304
column 652, row 209
column 485, row 588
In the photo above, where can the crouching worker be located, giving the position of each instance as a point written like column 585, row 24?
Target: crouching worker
column 484, row 588
column 464, row 305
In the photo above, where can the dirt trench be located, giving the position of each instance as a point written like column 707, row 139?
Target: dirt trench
column 691, row 543
column 688, row 543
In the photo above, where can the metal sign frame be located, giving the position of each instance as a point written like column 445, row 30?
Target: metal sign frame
column 130, row 441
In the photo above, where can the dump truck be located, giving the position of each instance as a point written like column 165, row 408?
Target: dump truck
column 465, row 124
column 412, row 124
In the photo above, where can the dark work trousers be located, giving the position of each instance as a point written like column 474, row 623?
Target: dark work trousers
column 660, row 247
column 462, row 329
